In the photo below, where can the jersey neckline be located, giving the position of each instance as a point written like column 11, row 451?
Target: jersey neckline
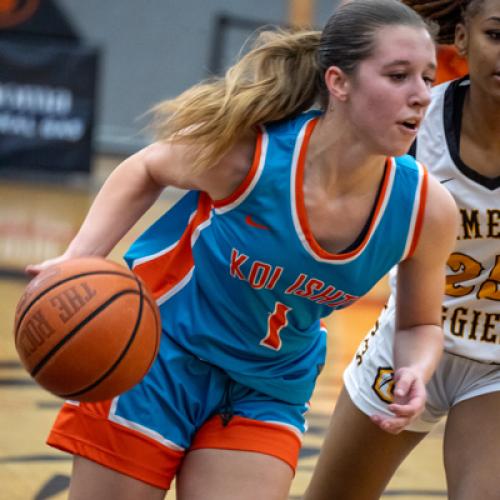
column 453, row 106
column 300, row 213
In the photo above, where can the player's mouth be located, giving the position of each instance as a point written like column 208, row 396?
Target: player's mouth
column 410, row 125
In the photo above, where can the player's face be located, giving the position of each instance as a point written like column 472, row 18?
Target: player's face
column 480, row 41
column 390, row 91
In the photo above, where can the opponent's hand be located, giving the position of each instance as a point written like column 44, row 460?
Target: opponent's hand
column 408, row 404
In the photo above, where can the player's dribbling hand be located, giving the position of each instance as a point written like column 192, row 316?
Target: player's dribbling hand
column 408, row 404
column 35, row 269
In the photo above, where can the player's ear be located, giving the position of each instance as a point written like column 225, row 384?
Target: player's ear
column 461, row 39
column 337, row 83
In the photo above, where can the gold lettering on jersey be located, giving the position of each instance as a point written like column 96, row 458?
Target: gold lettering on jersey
column 470, row 224
column 463, row 282
column 490, row 289
column 365, row 343
column 472, row 324
column 490, row 322
column 465, row 268
column 493, row 223
column 477, row 225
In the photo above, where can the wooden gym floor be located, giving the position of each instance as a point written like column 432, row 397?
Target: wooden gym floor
column 37, row 220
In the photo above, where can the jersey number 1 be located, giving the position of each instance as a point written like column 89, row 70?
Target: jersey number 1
column 275, row 323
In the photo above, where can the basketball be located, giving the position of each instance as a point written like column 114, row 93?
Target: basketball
column 87, row 329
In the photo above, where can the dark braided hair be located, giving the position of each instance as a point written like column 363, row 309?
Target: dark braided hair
column 446, row 13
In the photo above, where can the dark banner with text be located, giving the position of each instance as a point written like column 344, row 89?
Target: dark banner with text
column 47, row 103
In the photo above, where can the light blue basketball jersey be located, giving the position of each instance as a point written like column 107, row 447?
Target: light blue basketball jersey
column 242, row 283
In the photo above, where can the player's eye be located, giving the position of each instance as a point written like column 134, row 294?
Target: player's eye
column 398, row 77
column 429, row 81
column 494, row 34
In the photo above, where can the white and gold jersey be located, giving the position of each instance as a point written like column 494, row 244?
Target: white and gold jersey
column 470, row 366
column 471, row 309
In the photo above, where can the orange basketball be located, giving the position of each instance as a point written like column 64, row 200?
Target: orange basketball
column 87, row 329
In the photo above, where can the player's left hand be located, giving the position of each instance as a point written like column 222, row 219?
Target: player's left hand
column 408, row 404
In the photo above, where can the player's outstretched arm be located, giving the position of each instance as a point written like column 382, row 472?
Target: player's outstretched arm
column 138, row 181
column 419, row 337
column 126, row 194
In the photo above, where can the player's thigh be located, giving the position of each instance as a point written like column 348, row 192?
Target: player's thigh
column 354, row 443
column 472, row 448
column 90, row 480
column 248, row 452
column 215, row 474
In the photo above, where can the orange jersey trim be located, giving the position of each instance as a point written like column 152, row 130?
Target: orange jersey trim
column 301, row 210
column 420, row 214
column 248, row 178
column 163, row 272
column 85, row 430
column 246, row 434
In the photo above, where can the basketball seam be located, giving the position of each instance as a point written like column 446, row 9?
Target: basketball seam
column 112, row 368
column 78, row 327
column 55, row 285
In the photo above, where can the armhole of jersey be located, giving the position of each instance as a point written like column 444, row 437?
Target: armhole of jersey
column 418, row 212
column 250, row 179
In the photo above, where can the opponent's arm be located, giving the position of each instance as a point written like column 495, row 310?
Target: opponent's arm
column 419, row 337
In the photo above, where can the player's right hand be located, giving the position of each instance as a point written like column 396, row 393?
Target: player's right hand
column 35, row 269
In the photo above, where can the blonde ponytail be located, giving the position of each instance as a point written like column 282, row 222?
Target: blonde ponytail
column 277, row 78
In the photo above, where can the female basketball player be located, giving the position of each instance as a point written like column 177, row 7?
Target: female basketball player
column 460, row 141
column 290, row 215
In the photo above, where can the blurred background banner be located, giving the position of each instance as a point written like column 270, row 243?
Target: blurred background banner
column 47, row 90
column 46, row 105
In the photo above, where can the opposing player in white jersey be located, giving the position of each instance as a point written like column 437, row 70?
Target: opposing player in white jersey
column 460, row 142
